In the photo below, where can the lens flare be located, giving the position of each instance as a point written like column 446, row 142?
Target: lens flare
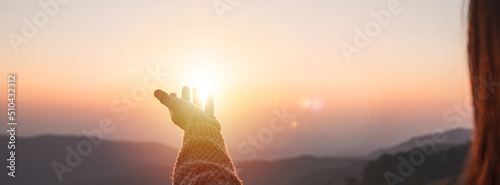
column 305, row 102
column 314, row 104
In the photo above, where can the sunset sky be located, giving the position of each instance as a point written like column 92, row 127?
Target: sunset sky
column 264, row 55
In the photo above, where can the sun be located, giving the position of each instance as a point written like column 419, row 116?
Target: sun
column 205, row 82
column 203, row 68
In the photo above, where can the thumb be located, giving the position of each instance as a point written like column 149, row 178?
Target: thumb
column 164, row 98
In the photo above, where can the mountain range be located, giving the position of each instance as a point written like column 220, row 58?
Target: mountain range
column 131, row 163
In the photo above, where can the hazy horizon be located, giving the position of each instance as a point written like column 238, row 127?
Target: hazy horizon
column 410, row 80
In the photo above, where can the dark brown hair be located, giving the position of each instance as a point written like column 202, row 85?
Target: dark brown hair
column 484, row 64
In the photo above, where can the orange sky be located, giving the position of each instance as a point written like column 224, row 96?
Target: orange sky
column 263, row 55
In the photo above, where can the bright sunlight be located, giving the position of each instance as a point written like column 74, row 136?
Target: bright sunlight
column 205, row 82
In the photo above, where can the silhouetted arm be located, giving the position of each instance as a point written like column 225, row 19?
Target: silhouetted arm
column 203, row 158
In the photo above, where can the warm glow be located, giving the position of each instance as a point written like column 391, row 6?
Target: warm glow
column 203, row 69
column 305, row 102
column 205, row 82
column 251, row 65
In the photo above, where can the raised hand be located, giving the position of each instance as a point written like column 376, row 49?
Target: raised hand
column 184, row 112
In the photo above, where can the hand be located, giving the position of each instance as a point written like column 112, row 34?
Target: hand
column 184, row 112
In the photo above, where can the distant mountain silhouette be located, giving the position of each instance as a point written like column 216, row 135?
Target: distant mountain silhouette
column 288, row 171
column 453, row 137
column 440, row 168
column 131, row 163
column 142, row 163
column 285, row 171
column 109, row 159
column 331, row 176
column 443, row 168
column 154, row 175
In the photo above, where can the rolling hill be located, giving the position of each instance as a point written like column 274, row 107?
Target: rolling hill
column 452, row 137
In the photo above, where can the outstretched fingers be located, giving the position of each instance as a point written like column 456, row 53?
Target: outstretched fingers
column 209, row 106
column 196, row 97
column 186, row 94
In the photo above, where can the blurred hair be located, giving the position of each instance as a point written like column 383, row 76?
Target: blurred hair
column 484, row 65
